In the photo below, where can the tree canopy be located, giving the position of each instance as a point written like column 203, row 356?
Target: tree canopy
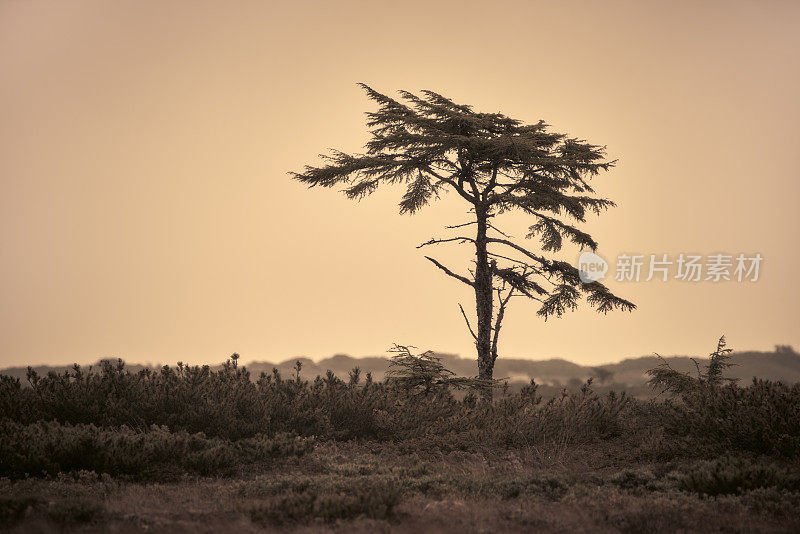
column 496, row 164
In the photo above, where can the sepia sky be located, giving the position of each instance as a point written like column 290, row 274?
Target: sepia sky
column 146, row 211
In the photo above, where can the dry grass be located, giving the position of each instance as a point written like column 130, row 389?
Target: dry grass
column 345, row 487
column 716, row 458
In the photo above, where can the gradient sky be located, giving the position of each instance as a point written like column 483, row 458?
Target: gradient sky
column 146, row 213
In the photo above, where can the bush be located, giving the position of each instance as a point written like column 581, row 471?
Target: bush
column 73, row 511
column 48, row 448
column 762, row 418
column 713, row 412
column 728, row 475
column 415, row 407
column 375, row 500
column 12, row 509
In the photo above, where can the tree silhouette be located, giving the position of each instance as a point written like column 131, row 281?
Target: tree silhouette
column 495, row 164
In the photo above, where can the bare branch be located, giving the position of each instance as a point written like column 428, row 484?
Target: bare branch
column 488, row 225
column 451, row 273
column 493, row 227
column 545, row 276
column 461, row 225
column 471, row 331
column 513, row 245
column 499, row 320
column 438, row 241
column 500, row 256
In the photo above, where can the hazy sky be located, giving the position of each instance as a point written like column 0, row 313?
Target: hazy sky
column 146, row 213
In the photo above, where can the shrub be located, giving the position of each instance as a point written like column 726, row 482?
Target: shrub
column 669, row 379
column 729, row 475
column 424, row 374
column 713, row 412
column 48, row 448
column 73, row 511
column 415, row 406
column 373, row 499
column 12, row 509
column 763, row 418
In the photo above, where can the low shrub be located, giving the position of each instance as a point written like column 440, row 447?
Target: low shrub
column 375, row 500
column 727, row 475
column 12, row 509
column 414, row 407
column 73, row 511
column 48, row 448
column 763, row 418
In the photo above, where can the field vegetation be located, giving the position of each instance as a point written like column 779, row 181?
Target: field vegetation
column 188, row 448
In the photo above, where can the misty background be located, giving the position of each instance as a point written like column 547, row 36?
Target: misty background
column 146, row 213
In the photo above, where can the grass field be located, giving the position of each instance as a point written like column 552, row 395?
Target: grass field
column 383, row 487
column 191, row 449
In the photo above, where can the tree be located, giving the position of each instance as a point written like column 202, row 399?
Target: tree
column 495, row 164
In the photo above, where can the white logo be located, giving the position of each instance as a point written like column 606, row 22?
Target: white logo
column 591, row 267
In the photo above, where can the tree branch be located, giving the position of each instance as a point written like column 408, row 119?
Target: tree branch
column 493, row 227
column 518, row 248
column 461, row 225
column 499, row 320
column 451, row 182
column 471, row 331
column 451, row 273
column 545, row 276
column 466, row 175
column 492, row 182
column 438, row 241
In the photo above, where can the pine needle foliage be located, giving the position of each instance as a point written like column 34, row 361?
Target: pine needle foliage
column 424, row 374
column 202, row 421
column 667, row 379
column 495, row 164
column 711, row 413
column 718, row 362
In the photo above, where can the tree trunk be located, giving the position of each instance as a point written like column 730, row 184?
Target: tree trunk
column 483, row 300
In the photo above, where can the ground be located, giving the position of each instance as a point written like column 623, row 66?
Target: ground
column 385, row 487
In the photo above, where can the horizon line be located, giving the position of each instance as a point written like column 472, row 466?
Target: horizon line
column 387, row 357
